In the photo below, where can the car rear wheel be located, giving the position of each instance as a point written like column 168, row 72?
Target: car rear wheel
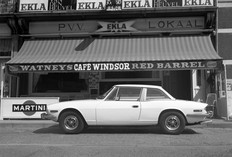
column 172, row 122
column 71, row 122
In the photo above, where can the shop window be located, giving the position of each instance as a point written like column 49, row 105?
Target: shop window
column 133, row 74
column 108, row 79
column 58, row 83
column 5, row 47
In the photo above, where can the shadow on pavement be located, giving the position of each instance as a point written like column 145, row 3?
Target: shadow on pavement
column 111, row 130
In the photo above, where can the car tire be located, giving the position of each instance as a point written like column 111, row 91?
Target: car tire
column 71, row 122
column 172, row 122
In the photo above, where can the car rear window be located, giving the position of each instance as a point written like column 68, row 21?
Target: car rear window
column 155, row 94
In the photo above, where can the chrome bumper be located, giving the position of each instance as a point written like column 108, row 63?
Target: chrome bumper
column 48, row 116
column 196, row 118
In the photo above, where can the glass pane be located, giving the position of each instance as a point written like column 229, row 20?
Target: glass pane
column 129, row 93
column 58, row 82
column 112, row 95
column 131, row 74
column 155, row 94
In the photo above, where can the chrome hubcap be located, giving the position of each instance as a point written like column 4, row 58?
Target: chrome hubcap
column 71, row 122
column 172, row 122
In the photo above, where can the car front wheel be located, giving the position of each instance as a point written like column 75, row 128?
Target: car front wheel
column 172, row 122
column 71, row 122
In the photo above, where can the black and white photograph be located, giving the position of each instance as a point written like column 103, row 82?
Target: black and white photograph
column 115, row 78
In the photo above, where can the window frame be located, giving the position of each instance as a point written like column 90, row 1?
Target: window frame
column 118, row 98
column 167, row 97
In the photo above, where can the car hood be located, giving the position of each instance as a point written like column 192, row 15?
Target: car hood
column 75, row 104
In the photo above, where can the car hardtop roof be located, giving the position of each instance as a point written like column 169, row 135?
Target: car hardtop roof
column 138, row 85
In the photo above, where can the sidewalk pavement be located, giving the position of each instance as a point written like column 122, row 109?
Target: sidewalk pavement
column 215, row 123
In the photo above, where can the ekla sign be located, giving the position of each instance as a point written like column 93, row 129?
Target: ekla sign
column 108, row 5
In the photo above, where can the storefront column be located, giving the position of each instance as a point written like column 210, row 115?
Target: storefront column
column 228, row 89
column 2, row 85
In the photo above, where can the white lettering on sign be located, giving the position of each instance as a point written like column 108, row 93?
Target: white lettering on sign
column 82, row 67
column 33, row 5
column 116, row 66
column 111, row 66
column 198, row 2
column 28, row 107
column 57, row 67
column 142, row 66
column 181, row 65
column 116, row 26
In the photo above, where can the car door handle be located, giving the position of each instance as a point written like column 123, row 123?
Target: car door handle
column 135, row 106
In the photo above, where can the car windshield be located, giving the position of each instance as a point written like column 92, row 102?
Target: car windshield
column 105, row 94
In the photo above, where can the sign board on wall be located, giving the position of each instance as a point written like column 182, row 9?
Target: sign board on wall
column 143, row 25
column 108, row 5
column 33, row 5
column 115, row 66
column 25, row 107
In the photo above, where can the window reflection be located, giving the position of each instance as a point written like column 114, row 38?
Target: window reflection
column 58, row 82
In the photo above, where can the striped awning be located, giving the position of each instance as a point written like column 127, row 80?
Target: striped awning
column 116, row 50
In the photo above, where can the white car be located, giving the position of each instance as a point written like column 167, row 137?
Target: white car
column 128, row 105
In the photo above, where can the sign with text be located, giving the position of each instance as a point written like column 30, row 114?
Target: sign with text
column 108, row 5
column 26, row 107
column 91, row 4
column 61, row 5
column 63, row 27
column 116, row 26
column 197, row 2
column 33, row 5
column 137, row 4
column 115, row 66
column 142, row 25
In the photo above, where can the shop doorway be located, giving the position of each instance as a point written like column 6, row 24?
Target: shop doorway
column 178, row 83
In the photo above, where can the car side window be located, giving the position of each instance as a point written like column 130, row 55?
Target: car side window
column 154, row 94
column 129, row 94
column 112, row 95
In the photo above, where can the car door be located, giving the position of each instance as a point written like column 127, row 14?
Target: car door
column 152, row 105
column 121, row 107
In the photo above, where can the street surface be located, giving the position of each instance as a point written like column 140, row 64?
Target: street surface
column 197, row 141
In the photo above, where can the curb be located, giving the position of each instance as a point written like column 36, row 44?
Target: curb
column 26, row 123
column 214, row 123
column 219, row 123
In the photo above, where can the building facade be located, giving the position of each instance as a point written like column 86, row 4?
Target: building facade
column 77, row 49
column 224, row 49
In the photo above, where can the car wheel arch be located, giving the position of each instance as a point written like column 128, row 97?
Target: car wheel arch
column 172, row 110
column 73, row 110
